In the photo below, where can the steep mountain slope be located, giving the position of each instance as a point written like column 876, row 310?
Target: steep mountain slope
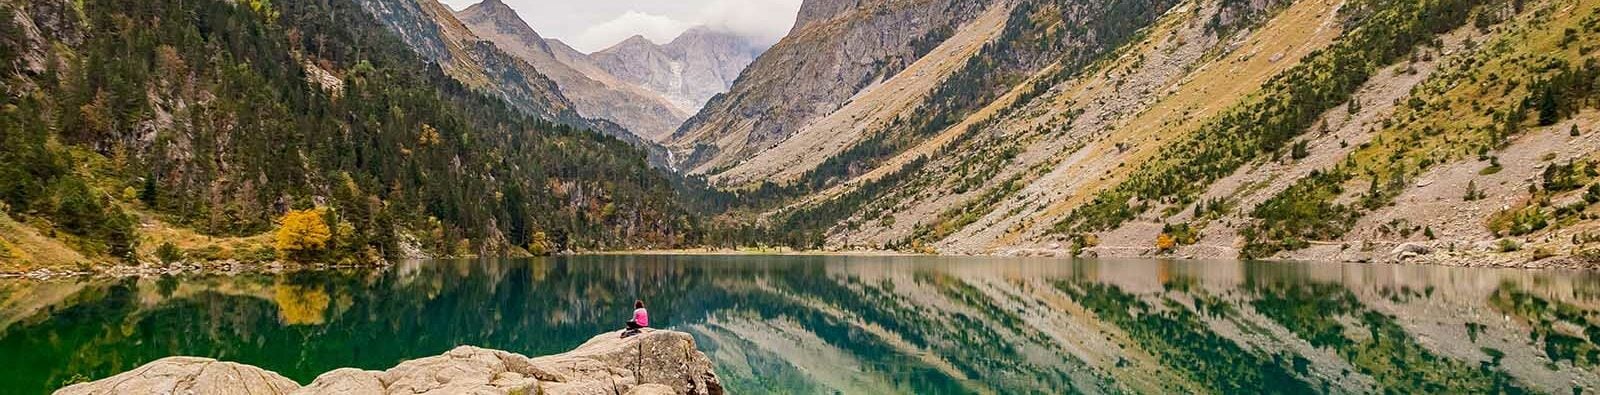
column 129, row 126
column 641, row 111
column 430, row 30
column 688, row 71
column 835, row 49
column 1294, row 129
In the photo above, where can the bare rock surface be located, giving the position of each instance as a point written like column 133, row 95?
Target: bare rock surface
column 188, row 375
column 654, row 362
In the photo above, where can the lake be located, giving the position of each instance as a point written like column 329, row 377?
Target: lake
column 850, row 324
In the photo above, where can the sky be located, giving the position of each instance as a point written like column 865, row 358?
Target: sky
column 593, row 25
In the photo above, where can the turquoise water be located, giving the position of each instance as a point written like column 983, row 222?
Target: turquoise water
column 816, row 324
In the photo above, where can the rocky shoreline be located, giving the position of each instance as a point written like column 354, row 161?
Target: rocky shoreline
column 226, row 268
column 654, row 362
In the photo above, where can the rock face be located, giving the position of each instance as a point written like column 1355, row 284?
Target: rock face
column 655, row 362
column 649, row 89
column 688, row 71
column 836, row 49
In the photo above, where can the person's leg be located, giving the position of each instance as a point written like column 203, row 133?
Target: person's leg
column 634, row 325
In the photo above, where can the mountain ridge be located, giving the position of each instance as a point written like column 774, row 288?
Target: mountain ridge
column 1202, row 128
column 642, row 112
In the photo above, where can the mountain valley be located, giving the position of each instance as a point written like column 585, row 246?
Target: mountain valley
column 1453, row 132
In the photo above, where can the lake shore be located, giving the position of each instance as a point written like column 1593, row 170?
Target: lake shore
column 756, row 251
column 236, row 267
column 1405, row 255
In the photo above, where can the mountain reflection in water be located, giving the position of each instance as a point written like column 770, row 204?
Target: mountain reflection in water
column 824, row 324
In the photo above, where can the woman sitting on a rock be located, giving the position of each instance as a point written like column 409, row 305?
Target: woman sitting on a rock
column 641, row 319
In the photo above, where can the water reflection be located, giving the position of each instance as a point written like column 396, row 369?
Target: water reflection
column 860, row 324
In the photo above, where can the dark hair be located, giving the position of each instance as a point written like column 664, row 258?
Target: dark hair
column 638, row 304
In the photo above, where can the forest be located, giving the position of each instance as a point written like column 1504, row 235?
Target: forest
column 199, row 113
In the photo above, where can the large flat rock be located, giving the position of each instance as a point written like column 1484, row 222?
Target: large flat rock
column 188, row 375
column 655, row 362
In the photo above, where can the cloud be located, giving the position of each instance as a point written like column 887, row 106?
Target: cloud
column 766, row 21
column 763, row 21
column 656, row 28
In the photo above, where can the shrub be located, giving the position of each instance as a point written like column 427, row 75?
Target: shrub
column 1519, row 221
column 1081, row 241
column 540, row 245
column 1508, row 245
column 1566, row 177
column 1473, row 193
column 1541, row 253
column 208, row 254
column 1300, row 150
column 1165, row 243
column 168, row 253
column 260, row 254
column 1591, row 255
column 302, row 235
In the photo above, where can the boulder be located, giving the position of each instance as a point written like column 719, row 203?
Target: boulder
column 609, row 364
column 462, row 370
column 346, row 381
column 1409, row 250
column 653, row 362
column 188, row 375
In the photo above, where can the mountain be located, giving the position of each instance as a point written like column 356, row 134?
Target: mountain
column 430, row 29
column 161, row 129
column 699, row 64
column 1453, row 132
column 835, row 50
column 594, row 94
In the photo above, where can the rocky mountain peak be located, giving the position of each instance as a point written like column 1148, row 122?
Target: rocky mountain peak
column 634, row 43
column 503, row 19
column 594, row 93
column 698, row 64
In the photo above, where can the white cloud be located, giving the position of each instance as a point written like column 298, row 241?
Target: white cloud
column 592, row 25
column 657, row 28
column 764, row 20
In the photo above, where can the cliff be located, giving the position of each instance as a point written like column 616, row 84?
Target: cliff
column 836, row 50
column 655, row 362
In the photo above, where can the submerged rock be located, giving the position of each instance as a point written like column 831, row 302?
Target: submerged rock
column 654, row 362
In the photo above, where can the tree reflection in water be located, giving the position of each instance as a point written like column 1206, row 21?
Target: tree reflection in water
column 818, row 324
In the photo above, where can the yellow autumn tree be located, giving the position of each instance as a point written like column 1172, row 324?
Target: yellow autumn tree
column 302, row 235
column 540, row 244
column 1165, row 242
column 428, row 137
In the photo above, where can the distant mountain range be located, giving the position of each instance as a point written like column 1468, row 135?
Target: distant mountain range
column 650, row 89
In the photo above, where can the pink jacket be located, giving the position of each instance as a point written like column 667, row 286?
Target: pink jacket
column 641, row 317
